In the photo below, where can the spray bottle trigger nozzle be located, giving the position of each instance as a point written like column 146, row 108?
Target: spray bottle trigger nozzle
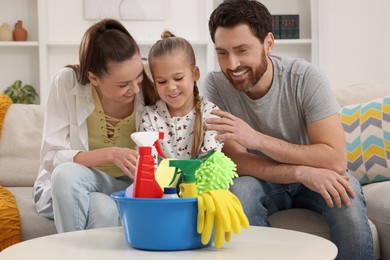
column 156, row 144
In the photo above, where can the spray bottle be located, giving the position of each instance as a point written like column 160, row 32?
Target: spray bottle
column 145, row 185
column 188, row 168
column 149, row 139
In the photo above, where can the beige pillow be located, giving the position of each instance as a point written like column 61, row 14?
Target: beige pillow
column 359, row 93
column 20, row 145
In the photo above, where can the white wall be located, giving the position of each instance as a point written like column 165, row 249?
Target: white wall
column 183, row 18
column 354, row 41
column 353, row 37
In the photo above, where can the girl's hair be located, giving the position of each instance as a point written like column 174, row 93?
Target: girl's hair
column 170, row 44
column 233, row 12
column 106, row 41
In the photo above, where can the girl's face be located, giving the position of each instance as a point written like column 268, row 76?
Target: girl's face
column 174, row 78
column 121, row 83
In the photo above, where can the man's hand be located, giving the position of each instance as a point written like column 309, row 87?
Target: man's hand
column 233, row 128
column 333, row 187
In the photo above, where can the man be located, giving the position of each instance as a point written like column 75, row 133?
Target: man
column 282, row 129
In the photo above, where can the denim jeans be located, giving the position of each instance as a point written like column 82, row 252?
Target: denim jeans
column 348, row 226
column 81, row 197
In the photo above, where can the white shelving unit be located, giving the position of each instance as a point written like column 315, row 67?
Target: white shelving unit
column 19, row 60
column 54, row 38
column 306, row 46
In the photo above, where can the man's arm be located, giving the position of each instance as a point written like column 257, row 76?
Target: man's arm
column 307, row 164
column 333, row 187
column 253, row 165
column 327, row 149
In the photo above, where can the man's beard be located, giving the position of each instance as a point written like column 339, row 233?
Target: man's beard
column 254, row 77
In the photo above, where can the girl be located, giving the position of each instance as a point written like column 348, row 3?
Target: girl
column 180, row 113
column 91, row 111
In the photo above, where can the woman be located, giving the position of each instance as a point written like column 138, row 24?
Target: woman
column 92, row 109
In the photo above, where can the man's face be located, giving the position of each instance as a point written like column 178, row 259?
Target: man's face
column 241, row 56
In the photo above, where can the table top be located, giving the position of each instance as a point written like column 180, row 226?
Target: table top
column 109, row 243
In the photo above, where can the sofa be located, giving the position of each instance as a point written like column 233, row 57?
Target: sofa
column 19, row 161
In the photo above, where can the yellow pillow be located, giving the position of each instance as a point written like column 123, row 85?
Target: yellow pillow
column 5, row 102
column 10, row 226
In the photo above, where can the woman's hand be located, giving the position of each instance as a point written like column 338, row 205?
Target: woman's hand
column 125, row 159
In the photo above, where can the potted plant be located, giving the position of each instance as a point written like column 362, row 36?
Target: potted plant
column 21, row 94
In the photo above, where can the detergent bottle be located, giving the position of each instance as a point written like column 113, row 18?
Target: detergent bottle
column 170, row 193
column 188, row 168
column 145, row 184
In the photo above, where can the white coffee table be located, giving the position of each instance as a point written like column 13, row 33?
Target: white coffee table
column 109, row 243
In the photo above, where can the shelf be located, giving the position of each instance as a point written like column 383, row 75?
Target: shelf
column 19, row 44
column 61, row 44
column 193, row 43
column 293, row 41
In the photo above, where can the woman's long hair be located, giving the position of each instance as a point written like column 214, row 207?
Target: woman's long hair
column 104, row 42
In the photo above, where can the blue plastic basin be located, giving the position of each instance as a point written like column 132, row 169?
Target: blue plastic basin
column 159, row 224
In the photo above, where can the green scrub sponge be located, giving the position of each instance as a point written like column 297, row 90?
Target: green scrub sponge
column 216, row 172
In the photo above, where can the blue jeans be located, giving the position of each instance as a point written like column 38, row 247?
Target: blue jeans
column 81, row 197
column 348, row 226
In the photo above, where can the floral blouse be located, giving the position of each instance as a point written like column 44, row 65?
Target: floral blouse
column 178, row 131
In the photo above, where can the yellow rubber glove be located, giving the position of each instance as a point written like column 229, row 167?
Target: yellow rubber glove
column 222, row 210
column 206, row 211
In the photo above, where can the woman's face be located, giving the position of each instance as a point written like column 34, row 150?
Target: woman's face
column 121, row 83
column 174, row 78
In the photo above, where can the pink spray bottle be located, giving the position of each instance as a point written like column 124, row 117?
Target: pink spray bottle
column 145, row 184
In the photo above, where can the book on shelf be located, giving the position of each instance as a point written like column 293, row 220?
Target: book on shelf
column 285, row 26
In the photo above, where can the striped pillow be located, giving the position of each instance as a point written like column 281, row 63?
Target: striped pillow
column 367, row 132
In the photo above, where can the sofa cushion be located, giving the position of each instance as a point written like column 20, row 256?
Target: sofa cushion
column 360, row 93
column 33, row 224
column 378, row 210
column 20, row 145
column 367, row 132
